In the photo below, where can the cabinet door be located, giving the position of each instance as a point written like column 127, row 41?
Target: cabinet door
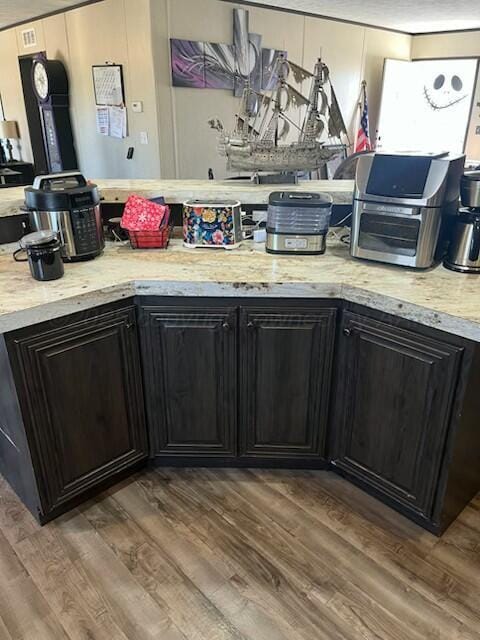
column 286, row 361
column 190, row 372
column 82, row 387
column 394, row 410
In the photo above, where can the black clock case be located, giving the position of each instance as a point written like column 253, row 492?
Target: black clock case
column 63, row 157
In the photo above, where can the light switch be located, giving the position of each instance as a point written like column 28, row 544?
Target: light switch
column 137, row 106
column 143, row 137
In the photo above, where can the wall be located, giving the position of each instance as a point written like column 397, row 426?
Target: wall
column 136, row 34
column 352, row 53
column 462, row 44
column 113, row 30
column 456, row 45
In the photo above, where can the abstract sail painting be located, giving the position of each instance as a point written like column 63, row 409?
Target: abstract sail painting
column 188, row 63
column 219, row 65
column 213, row 65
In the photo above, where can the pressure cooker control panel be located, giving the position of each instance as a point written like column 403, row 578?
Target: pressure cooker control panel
column 85, row 230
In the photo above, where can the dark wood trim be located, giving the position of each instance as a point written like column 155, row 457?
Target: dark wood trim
column 445, row 32
column 242, row 462
column 49, row 14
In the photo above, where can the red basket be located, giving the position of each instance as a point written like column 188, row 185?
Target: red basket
column 151, row 239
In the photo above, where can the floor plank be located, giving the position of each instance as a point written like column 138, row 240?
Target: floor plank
column 71, row 595
column 215, row 576
column 247, row 501
column 408, row 562
column 130, row 605
column 197, row 554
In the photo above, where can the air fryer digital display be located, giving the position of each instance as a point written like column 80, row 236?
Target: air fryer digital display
column 398, row 176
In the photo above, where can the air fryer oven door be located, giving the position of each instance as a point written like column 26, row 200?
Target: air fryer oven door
column 395, row 234
column 389, row 234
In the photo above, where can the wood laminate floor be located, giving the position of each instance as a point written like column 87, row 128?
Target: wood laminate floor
column 236, row 555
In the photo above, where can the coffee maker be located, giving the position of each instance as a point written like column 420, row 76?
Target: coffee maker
column 464, row 249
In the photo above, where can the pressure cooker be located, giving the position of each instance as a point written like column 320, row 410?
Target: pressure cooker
column 67, row 204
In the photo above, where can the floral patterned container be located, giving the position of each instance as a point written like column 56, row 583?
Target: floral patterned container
column 214, row 224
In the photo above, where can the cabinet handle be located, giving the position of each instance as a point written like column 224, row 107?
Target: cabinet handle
column 347, row 331
column 129, row 325
column 226, row 326
column 250, row 325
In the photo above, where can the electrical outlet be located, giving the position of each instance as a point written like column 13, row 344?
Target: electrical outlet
column 143, row 137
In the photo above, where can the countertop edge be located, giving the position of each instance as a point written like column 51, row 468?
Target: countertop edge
column 461, row 327
column 177, row 191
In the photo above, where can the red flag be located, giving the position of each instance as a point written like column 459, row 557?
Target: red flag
column 363, row 136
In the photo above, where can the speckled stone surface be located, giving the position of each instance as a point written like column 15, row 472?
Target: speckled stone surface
column 437, row 298
column 177, row 191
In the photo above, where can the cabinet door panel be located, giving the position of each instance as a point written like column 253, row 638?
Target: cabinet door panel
column 397, row 398
column 190, row 373
column 83, row 388
column 286, row 368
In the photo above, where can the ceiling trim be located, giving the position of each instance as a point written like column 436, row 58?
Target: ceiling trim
column 442, row 33
column 49, row 14
column 354, row 22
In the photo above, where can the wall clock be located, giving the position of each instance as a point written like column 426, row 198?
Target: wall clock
column 50, row 85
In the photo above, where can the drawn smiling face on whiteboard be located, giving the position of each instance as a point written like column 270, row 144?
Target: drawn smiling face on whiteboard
column 444, row 92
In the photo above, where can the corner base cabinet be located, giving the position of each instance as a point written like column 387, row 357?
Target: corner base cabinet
column 390, row 404
column 79, row 392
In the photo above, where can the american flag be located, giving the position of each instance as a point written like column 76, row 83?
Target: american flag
column 363, row 136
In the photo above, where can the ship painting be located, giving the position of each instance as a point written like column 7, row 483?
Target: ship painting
column 314, row 124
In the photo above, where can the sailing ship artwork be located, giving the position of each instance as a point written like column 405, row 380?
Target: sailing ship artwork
column 277, row 128
column 313, row 123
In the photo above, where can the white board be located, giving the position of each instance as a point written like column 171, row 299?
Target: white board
column 426, row 105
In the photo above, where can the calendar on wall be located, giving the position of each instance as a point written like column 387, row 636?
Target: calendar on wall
column 108, row 85
column 111, row 112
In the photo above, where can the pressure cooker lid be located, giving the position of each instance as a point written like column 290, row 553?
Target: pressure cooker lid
column 61, row 192
column 38, row 238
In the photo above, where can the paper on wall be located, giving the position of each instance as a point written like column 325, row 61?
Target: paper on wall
column 103, row 121
column 118, row 122
column 112, row 121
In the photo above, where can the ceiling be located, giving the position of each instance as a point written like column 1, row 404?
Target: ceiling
column 411, row 16
column 15, row 11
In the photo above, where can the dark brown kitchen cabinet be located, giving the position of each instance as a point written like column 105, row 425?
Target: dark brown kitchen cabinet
column 394, row 403
column 286, row 361
column 190, row 369
column 79, row 386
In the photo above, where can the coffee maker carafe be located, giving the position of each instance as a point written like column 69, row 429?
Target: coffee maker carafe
column 464, row 250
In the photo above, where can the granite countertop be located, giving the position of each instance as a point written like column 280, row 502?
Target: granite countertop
column 438, row 298
column 177, row 191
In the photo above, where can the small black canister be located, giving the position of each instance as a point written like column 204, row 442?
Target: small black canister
column 43, row 249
